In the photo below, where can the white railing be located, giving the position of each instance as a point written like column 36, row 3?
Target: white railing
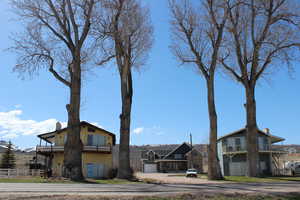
column 10, row 173
column 61, row 148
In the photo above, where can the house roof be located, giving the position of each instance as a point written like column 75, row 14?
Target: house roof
column 193, row 149
column 47, row 136
column 183, row 144
column 274, row 138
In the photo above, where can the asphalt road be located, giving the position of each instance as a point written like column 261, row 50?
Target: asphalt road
column 145, row 189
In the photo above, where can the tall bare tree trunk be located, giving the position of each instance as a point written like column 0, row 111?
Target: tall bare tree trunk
column 214, row 171
column 124, row 171
column 73, row 146
column 252, row 147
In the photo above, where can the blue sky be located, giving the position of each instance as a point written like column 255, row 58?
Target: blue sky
column 169, row 100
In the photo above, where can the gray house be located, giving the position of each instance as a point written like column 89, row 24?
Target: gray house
column 232, row 153
column 176, row 160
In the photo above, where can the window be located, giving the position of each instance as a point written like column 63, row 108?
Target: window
column 90, row 140
column 225, row 142
column 266, row 143
column 238, row 144
column 96, row 140
column 177, row 156
column 91, row 129
column 65, row 138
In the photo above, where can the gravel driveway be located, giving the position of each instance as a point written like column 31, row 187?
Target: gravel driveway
column 174, row 178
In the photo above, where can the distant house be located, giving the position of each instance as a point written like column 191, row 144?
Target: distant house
column 232, row 153
column 97, row 155
column 179, row 159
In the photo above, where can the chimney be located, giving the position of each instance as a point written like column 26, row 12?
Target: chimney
column 267, row 130
column 58, row 126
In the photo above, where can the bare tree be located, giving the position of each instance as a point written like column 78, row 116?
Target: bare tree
column 57, row 38
column 261, row 35
column 128, row 30
column 197, row 40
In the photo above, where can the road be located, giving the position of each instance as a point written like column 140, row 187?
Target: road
column 43, row 189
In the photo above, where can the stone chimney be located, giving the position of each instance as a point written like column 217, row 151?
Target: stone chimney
column 267, row 130
column 58, row 126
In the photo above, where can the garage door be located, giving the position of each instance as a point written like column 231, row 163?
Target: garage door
column 237, row 169
column 150, row 168
column 95, row 170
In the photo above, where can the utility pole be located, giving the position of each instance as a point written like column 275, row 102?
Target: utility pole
column 191, row 141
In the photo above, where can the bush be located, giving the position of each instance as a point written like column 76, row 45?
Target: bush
column 113, row 173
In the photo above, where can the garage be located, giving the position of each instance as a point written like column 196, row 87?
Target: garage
column 150, row 168
column 237, row 168
column 95, row 170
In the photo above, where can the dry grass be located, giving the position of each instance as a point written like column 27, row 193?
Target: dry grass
column 178, row 197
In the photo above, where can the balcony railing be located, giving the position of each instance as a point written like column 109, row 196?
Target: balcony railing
column 262, row 148
column 49, row 149
column 228, row 149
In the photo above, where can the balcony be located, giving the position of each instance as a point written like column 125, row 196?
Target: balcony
column 234, row 149
column 242, row 149
column 52, row 149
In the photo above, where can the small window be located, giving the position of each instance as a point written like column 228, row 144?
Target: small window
column 91, row 129
column 65, row 138
column 177, row 156
column 237, row 141
column 225, row 142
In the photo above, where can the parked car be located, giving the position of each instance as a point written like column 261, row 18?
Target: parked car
column 191, row 173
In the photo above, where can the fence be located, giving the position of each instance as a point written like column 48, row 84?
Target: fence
column 282, row 172
column 10, row 173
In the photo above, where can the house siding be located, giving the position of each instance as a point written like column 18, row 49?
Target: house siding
column 232, row 153
column 103, row 158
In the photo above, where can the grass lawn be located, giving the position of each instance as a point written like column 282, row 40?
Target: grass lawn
column 245, row 179
column 260, row 180
column 42, row 180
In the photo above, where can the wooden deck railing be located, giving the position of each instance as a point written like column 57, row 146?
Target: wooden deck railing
column 61, row 148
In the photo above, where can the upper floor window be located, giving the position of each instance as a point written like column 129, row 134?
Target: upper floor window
column 96, row 140
column 238, row 144
column 237, row 141
column 65, row 138
column 178, row 156
column 225, row 142
column 91, row 129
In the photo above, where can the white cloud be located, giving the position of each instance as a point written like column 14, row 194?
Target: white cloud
column 10, row 136
column 138, row 130
column 11, row 125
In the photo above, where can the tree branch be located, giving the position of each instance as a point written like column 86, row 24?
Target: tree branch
column 104, row 61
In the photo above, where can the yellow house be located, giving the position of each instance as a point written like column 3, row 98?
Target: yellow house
column 97, row 158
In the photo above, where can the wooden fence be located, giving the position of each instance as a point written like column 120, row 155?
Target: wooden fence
column 282, row 172
column 10, row 173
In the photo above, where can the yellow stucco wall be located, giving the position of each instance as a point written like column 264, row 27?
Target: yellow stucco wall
column 105, row 159
column 60, row 138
